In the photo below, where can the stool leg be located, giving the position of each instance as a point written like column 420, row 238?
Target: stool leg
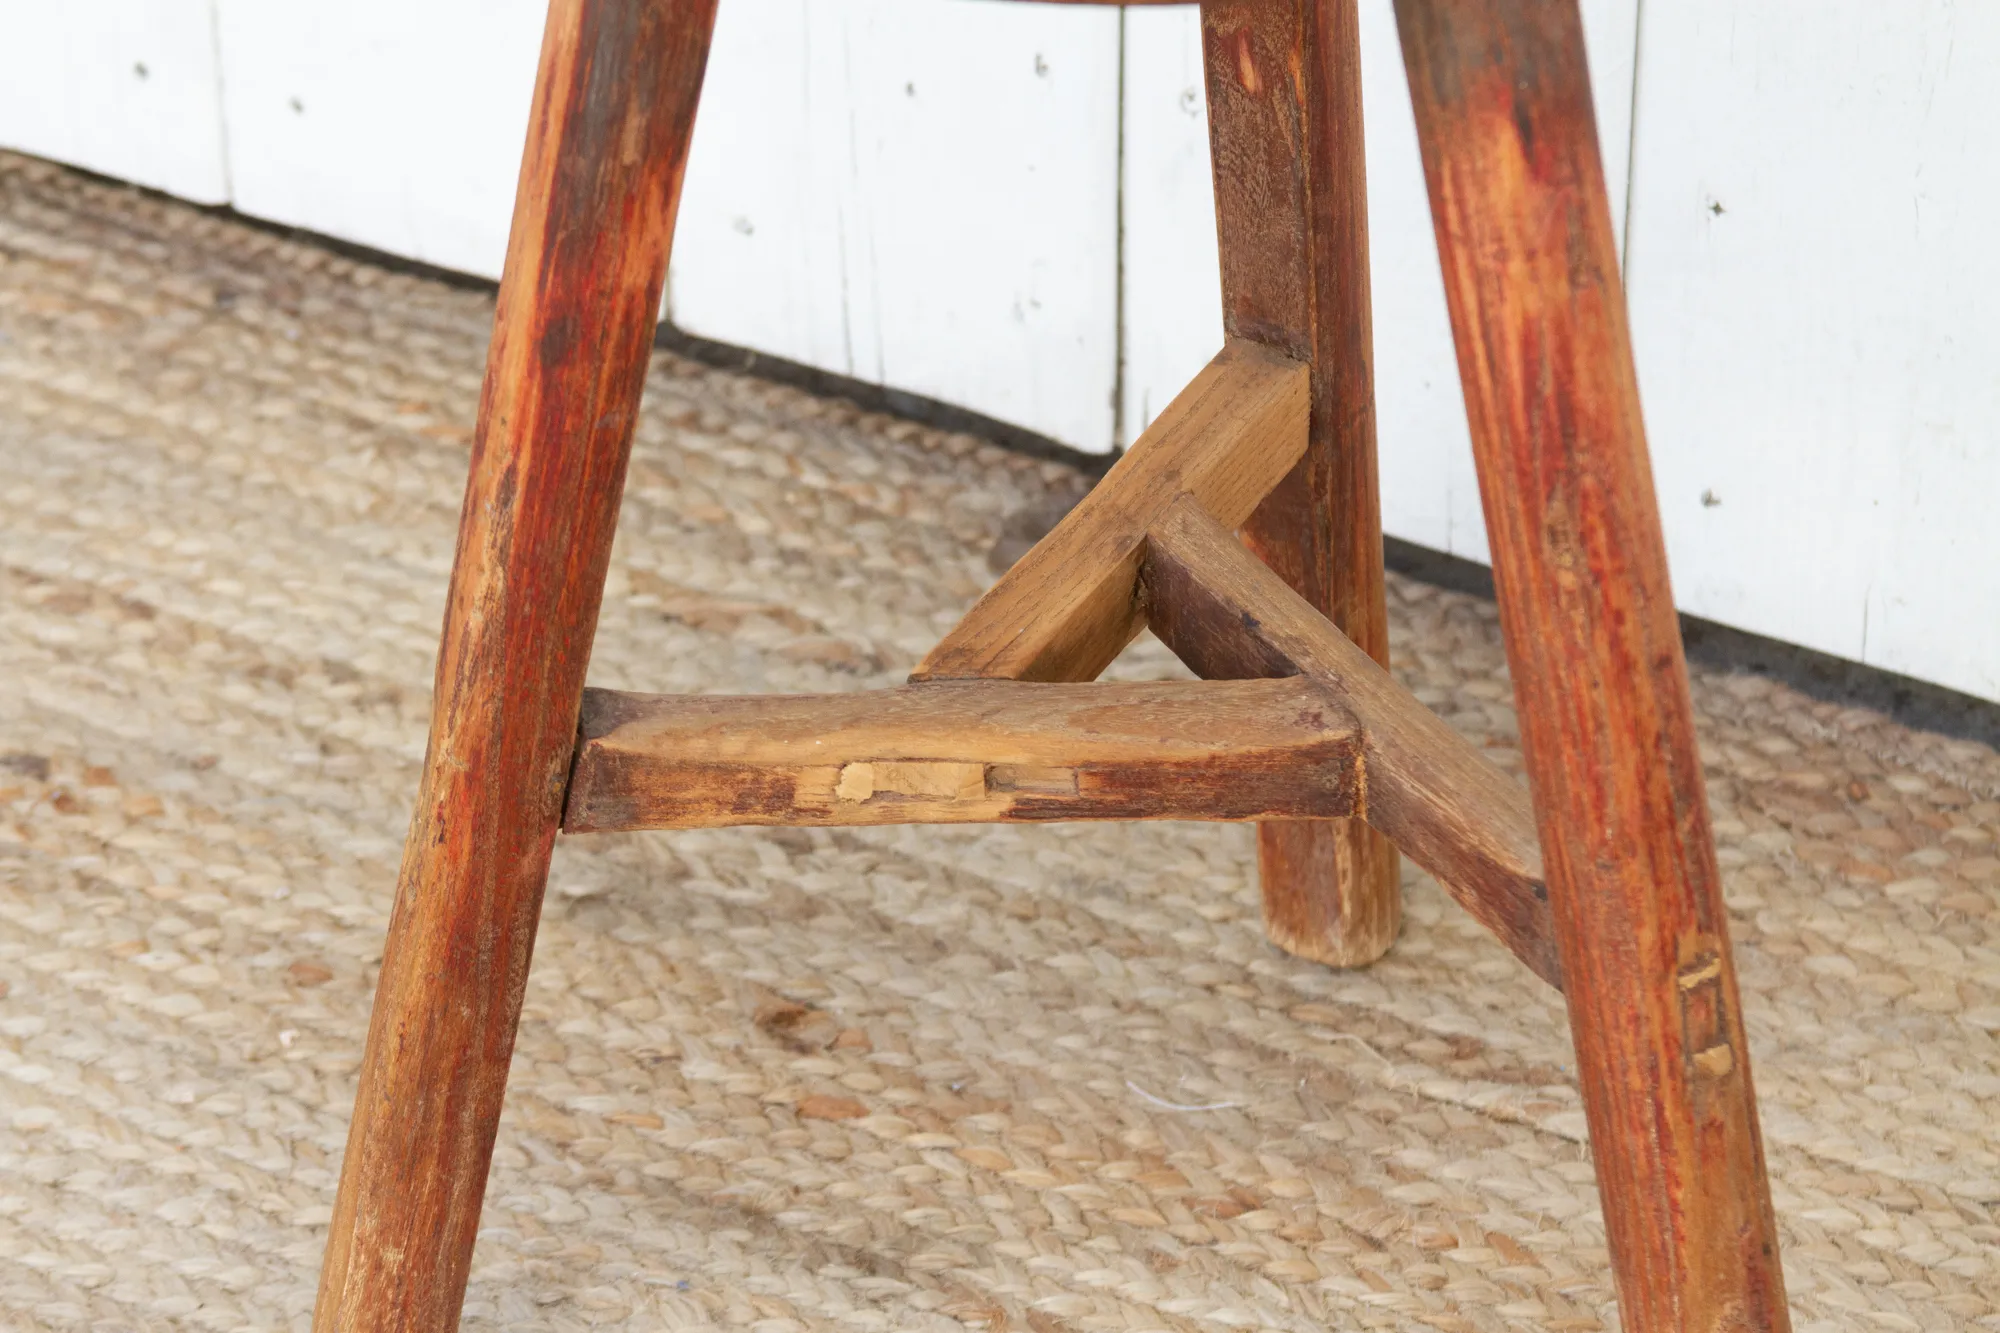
column 1531, row 270
column 1284, row 106
column 608, row 137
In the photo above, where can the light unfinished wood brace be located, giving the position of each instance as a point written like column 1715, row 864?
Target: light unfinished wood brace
column 1225, row 614
column 1070, row 605
column 965, row 752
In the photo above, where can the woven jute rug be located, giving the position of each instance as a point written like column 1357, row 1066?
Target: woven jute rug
column 1042, row 1079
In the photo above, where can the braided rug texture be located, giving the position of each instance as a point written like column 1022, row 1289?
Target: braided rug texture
column 1028, row 1079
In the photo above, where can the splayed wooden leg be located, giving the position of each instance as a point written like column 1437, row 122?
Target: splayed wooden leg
column 614, row 105
column 1607, row 727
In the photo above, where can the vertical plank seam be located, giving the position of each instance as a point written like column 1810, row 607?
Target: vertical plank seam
column 1119, row 343
column 221, row 102
column 1631, row 156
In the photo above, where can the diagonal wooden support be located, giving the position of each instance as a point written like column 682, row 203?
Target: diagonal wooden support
column 1067, row 608
column 1228, row 616
column 965, row 752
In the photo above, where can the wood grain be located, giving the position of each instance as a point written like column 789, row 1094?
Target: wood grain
column 1068, row 607
column 1228, row 617
column 608, row 134
column 964, row 752
column 1284, row 106
column 1524, row 233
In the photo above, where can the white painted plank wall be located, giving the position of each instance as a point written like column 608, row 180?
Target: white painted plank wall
column 926, row 193
column 914, row 193
column 129, row 88
column 1815, row 297
column 391, row 124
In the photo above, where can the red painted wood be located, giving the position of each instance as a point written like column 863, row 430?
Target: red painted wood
column 1284, row 105
column 607, row 143
column 1531, row 272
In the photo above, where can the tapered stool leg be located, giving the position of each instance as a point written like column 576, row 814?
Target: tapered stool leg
column 607, row 142
column 1284, row 106
column 1524, row 231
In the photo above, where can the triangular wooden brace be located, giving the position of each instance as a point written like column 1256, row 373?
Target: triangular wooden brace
column 1002, row 721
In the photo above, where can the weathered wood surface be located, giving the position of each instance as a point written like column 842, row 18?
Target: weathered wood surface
column 613, row 107
column 1068, row 607
column 1229, row 617
column 1284, row 108
column 1531, row 275
column 962, row 752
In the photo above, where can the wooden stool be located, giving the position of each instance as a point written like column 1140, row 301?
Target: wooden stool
column 1295, row 724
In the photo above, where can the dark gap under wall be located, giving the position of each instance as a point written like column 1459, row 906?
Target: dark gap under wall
column 1912, row 703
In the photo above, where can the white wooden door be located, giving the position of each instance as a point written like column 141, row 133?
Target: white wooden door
column 129, row 88
column 1815, row 296
column 917, row 193
column 394, row 125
